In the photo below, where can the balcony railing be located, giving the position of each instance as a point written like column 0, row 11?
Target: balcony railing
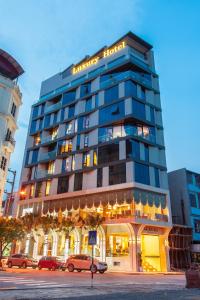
column 125, row 75
column 48, row 155
column 47, row 139
column 42, row 174
column 10, row 139
column 53, row 107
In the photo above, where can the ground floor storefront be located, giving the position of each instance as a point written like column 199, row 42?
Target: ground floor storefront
column 125, row 247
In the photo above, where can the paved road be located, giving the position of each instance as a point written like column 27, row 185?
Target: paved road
column 43, row 284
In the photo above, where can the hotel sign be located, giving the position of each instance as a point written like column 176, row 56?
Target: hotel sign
column 88, row 63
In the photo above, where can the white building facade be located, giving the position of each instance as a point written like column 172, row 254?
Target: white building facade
column 10, row 102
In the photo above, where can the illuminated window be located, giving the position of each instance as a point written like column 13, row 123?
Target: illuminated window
column 47, row 189
column 73, row 162
column 32, row 190
column 37, row 140
column 86, row 159
column 66, row 165
column 69, row 128
column 51, row 167
column 86, row 140
column 95, row 158
column 54, row 133
column 65, row 146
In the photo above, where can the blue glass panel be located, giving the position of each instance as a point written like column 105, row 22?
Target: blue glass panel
column 157, row 179
column 111, row 94
column 130, row 89
column 69, row 97
column 112, row 113
column 142, row 173
column 138, row 110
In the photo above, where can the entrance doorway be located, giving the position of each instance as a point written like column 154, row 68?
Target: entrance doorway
column 150, row 253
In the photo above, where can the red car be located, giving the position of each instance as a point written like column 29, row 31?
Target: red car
column 51, row 263
column 21, row 261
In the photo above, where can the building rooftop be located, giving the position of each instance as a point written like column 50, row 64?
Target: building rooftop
column 9, row 67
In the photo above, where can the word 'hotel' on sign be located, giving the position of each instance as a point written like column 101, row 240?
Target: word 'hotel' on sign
column 95, row 60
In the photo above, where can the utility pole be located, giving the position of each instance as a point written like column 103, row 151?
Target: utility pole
column 10, row 197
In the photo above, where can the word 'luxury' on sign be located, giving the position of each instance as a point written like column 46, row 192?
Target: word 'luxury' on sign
column 95, row 60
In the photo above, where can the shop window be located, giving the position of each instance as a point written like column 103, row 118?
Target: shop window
column 108, row 153
column 132, row 149
column 117, row 174
column 111, row 94
column 117, row 245
column 78, row 180
column 63, row 184
column 142, row 173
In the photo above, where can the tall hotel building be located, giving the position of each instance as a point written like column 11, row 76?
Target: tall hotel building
column 95, row 144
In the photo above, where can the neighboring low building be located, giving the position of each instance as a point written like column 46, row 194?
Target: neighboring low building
column 96, row 144
column 184, row 186
column 10, row 101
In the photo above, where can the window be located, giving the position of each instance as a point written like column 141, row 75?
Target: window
column 86, row 140
column 42, row 108
column 32, row 190
column 47, row 120
column 13, row 109
column 193, row 201
column 197, row 180
column 35, row 156
column 8, row 135
column 111, row 94
column 117, row 174
column 112, row 112
column 157, row 179
column 66, row 164
column 152, row 114
column 63, row 184
column 132, row 149
column 3, row 163
column 69, row 128
column 143, row 96
column 73, row 162
column 55, row 116
column 78, row 142
column 62, row 115
column 86, row 122
column 38, row 190
column 64, row 146
column 86, row 159
column 189, row 178
column 40, row 123
column 69, row 97
column 85, row 89
column 88, row 104
column 27, row 157
column 138, row 110
column 71, row 111
column 95, row 157
column 130, row 89
column 108, row 153
column 146, row 153
column 54, row 133
column 33, row 127
column 35, row 111
column 142, row 173
column 105, row 134
column 51, row 167
column 99, row 177
column 96, row 100
column 47, row 188
column 78, row 179
column 197, row 226
column 37, row 140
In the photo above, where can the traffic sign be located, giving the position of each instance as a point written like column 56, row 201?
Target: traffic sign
column 92, row 238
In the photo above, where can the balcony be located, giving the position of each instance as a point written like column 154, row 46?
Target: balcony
column 48, row 155
column 47, row 139
column 9, row 144
column 53, row 107
column 42, row 174
column 123, row 76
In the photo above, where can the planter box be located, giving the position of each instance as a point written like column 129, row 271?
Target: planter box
column 192, row 279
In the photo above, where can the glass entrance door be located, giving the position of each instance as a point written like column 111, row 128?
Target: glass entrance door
column 150, row 253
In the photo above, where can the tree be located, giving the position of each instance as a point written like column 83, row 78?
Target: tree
column 93, row 220
column 47, row 223
column 11, row 229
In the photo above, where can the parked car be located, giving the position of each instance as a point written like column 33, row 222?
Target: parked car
column 84, row 262
column 51, row 263
column 21, row 261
